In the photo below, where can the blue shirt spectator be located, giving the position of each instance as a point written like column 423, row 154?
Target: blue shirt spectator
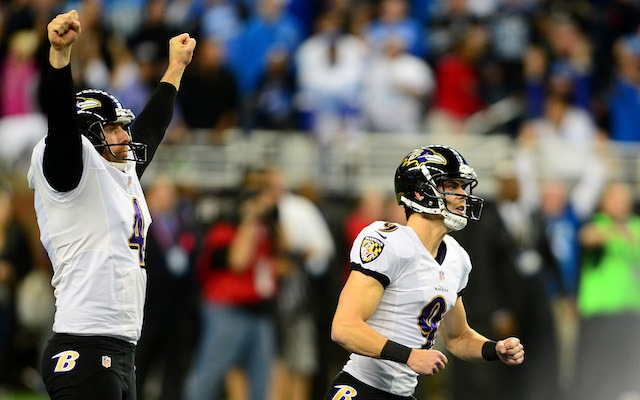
column 271, row 28
column 394, row 20
column 624, row 98
column 221, row 19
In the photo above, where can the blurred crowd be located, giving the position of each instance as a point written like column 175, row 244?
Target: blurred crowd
column 340, row 69
column 556, row 259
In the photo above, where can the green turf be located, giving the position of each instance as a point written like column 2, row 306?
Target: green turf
column 22, row 396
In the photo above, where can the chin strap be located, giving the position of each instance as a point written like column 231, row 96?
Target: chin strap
column 454, row 221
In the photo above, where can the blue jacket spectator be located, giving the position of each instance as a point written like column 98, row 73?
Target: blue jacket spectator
column 270, row 28
column 624, row 100
column 394, row 20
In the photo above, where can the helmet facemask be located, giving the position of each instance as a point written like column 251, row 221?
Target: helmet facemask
column 137, row 151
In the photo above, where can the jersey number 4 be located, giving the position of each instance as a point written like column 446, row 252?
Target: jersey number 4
column 136, row 240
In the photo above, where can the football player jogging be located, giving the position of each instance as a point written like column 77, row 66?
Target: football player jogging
column 406, row 284
column 93, row 219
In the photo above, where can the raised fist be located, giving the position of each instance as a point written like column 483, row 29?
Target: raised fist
column 63, row 30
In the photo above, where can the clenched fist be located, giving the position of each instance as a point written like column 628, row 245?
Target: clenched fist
column 63, row 30
column 510, row 351
column 181, row 49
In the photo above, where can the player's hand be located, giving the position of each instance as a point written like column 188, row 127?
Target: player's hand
column 510, row 351
column 427, row 362
column 63, row 30
column 181, row 49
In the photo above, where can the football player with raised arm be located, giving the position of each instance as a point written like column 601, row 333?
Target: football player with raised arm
column 93, row 219
column 406, row 285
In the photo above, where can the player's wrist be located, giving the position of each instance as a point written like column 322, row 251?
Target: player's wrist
column 173, row 74
column 394, row 351
column 59, row 57
column 489, row 352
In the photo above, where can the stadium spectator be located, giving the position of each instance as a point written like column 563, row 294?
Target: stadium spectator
column 270, row 27
column 165, row 348
column 209, row 103
column 624, row 95
column 610, row 260
column 394, row 20
column 547, row 137
column 396, row 89
column 126, row 80
column 511, row 252
column 92, row 58
column 308, row 250
column 151, row 37
column 330, row 65
column 562, row 65
column 458, row 94
column 511, row 33
column 19, row 105
column 19, row 75
column 16, row 260
column 222, row 20
column 273, row 104
column 564, row 209
column 236, row 268
column 447, row 20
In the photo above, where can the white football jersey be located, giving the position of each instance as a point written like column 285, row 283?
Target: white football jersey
column 418, row 291
column 95, row 238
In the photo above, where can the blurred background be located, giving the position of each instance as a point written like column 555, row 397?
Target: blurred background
column 313, row 104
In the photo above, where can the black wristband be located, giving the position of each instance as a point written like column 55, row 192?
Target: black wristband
column 489, row 352
column 395, row 352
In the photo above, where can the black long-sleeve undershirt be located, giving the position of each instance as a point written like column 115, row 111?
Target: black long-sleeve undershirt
column 62, row 161
column 150, row 126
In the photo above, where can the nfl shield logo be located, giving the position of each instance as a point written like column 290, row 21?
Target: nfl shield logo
column 106, row 361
